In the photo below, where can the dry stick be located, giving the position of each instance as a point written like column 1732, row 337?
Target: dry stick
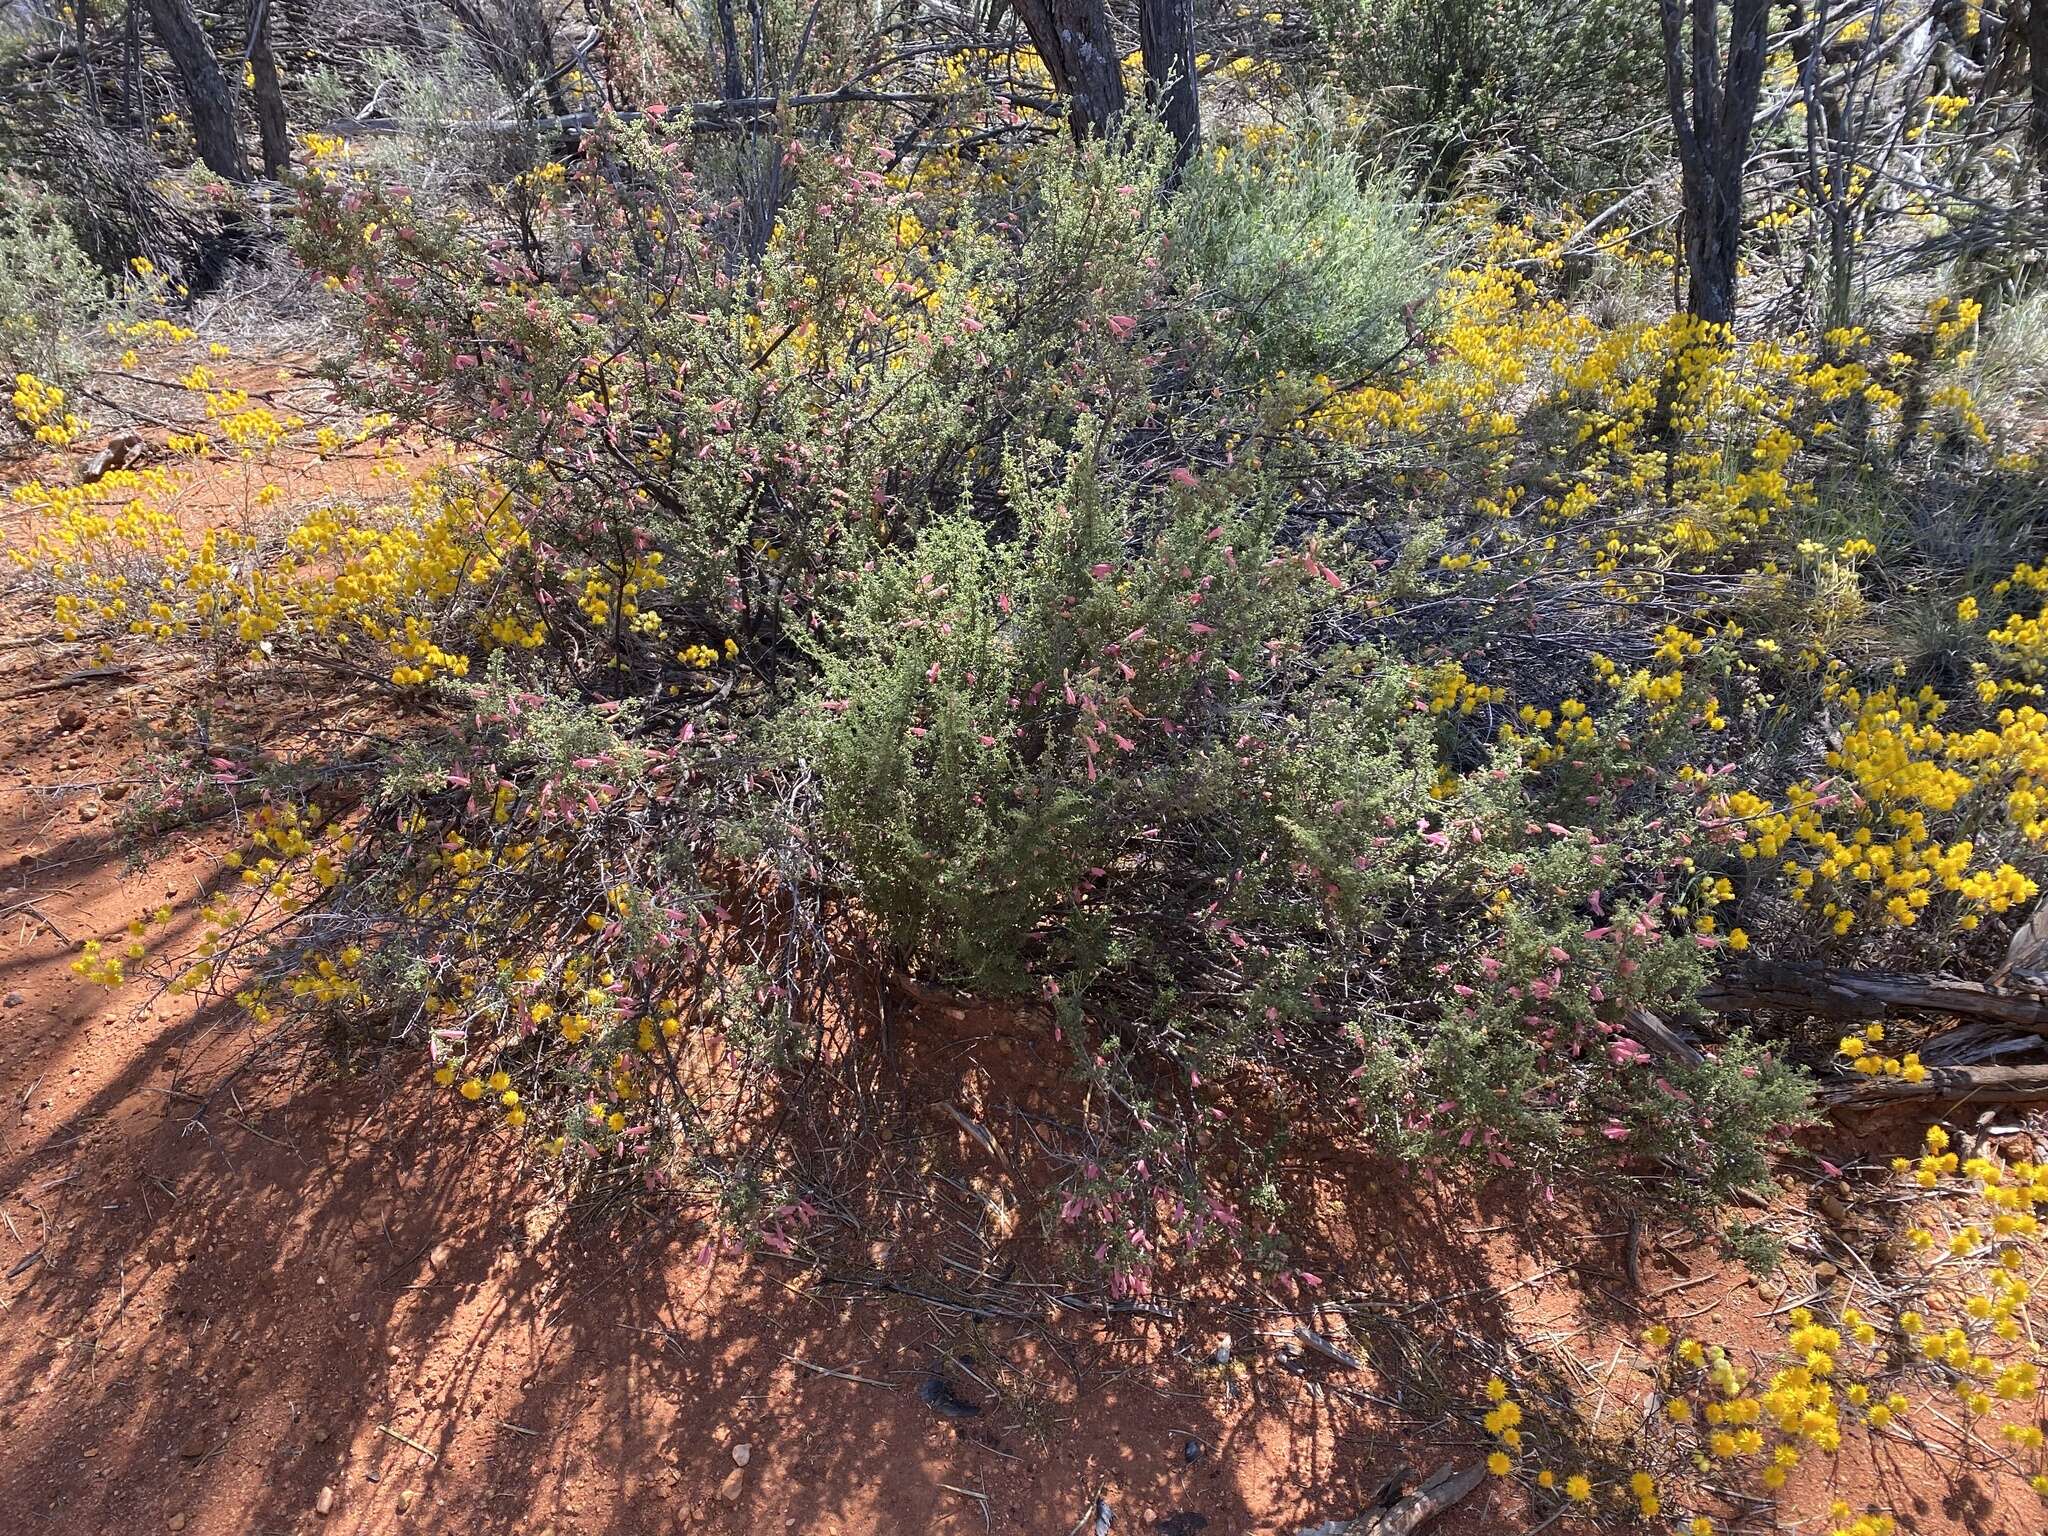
column 975, row 1129
column 1606, row 1380
column 69, row 680
column 40, row 915
column 427, row 1451
column 1323, row 1346
column 826, row 1370
column 971, row 1493
column 1684, row 1285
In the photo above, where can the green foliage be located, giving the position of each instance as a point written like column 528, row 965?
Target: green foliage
column 1564, row 89
column 1111, row 758
column 1298, row 258
column 52, row 298
column 901, row 596
column 1004, row 720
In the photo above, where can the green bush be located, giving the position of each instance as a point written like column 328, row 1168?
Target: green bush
column 897, row 598
column 1297, row 258
column 52, row 298
column 1569, row 91
column 1113, row 760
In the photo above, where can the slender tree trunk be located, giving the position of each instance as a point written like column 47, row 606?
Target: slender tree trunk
column 206, row 89
column 270, row 119
column 1713, row 107
column 1827, row 157
column 729, row 83
column 539, row 42
column 131, row 68
column 1166, row 36
column 92, row 86
column 1076, row 41
column 2037, row 81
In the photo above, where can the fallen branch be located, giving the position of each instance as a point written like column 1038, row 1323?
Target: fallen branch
column 1437, row 1493
column 826, row 1370
column 1862, row 995
column 1944, row 1085
column 70, row 680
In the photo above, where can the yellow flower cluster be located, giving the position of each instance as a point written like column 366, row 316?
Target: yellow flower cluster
column 1502, row 1419
column 395, row 577
column 1857, row 1051
column 1868, row 851
column 1967, row 1322
column 39, row 407
column 1452, row 692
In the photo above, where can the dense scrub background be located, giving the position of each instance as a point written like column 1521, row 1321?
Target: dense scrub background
column 1332, row 610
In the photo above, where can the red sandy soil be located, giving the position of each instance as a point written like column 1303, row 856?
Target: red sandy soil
column 235, row 1279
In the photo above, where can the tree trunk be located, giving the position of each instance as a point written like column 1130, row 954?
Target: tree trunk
column 270, row 118
column 1713, row 106
column 730, row 81
column 205, row 87
column 1075, row 40
column 2037, row 82
column 1166, row 36
column 91, row 85
column 131, row 68
column 1828, row 155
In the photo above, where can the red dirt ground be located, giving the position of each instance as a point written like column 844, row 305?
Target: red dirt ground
column 232, row 1283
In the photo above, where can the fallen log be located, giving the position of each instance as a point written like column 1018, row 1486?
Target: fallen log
column 1866, row 995
column 1943, row 1085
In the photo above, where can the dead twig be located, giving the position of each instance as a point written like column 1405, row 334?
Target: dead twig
column 407, row 1440
column 826, row 1370
column 1327, row 1348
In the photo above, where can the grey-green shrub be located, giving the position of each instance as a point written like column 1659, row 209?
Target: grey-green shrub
column 1297, row 258
column 52, row 297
